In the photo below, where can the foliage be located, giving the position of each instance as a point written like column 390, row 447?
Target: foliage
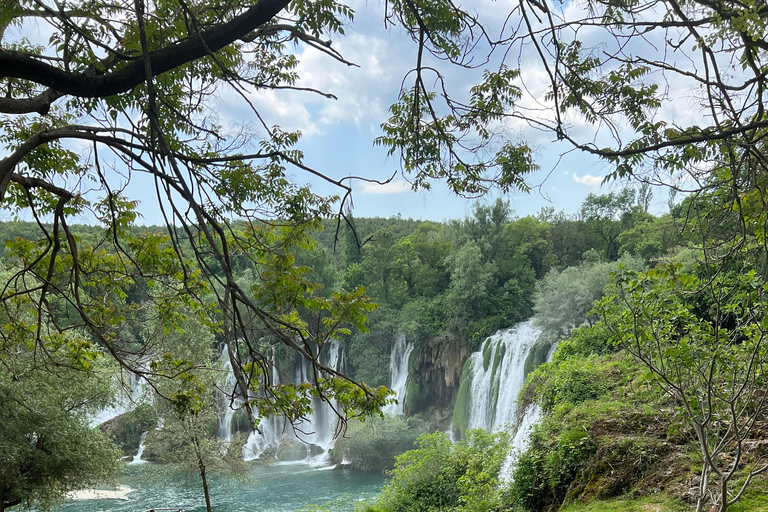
column 47, row 445
column 571, row 381
column 605, row 215
column 139, row 84
column 373, row 445
column 585, row 341
column 564, row 299
column 439, row 475
column 703, row 338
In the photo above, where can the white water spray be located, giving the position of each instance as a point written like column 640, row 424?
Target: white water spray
column 398, row 374
column 137, row 458
column 498, row 374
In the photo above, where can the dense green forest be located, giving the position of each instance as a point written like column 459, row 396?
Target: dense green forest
column 446, row 286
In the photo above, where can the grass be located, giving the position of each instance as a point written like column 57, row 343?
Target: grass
column 647, row 504
column 755, row 499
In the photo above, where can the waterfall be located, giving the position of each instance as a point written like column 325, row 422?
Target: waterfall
column 398, row 374
column 491, row 381
column 497, row 374
column 322, row 422
column 225, row 420
column 137, row 458
column 318, row 429
column 129, row 394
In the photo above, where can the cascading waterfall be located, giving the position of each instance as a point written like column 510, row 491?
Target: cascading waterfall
column 129, row 395
column 398, row 374
column 497, row 376
column 323, row 420
column 137, row 458
column 321, row 425
column 530, row 418
column 225, row 420
column 493, row 378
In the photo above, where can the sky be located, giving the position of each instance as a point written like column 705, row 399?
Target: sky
column 338, row 134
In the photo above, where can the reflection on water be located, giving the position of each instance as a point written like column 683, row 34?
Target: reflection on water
column 278, row 488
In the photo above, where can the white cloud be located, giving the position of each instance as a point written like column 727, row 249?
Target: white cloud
column 393, row 187
column 363, row 92
column 588, row 180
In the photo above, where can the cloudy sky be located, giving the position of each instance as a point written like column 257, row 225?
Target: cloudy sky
column 338, row 134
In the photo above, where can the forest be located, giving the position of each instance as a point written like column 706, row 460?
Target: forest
column 640, row 381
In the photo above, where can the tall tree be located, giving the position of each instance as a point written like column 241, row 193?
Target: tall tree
column 604, row 213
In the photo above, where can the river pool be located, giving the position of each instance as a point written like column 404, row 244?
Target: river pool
column 278, row 488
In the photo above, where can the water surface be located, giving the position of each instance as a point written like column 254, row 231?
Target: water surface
column 278, row 488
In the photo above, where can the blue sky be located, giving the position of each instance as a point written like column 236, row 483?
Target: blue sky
column 338, row 134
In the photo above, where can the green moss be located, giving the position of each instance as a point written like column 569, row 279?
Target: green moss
column 461, row 409
column 413, row 359
column 372, row 445
column 125, row 430
column 293, row 450
column 536, row 357
column 498, row 357
column 412, row 396
column 605, row 436
column 487, row 349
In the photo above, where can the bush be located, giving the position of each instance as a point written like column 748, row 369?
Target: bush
column 586, row 341
column 571, row 382
column 544, row 472
column 441, row 476
column 373, row 445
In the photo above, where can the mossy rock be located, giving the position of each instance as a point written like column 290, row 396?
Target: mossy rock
column 536, row 357
column 616, row 467
column 501, row 350
column 415, row 393
column 125, row 430
column 269, row 453
column 373, row 445
column 487, row 350
column 162, row 447
column 461, row 410
column 292, row 450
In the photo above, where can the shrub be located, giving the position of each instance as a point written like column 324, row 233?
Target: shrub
column 544, row 472
column 439, row 475
column 373, row 445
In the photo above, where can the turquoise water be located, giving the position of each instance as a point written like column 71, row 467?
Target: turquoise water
column 278, row 488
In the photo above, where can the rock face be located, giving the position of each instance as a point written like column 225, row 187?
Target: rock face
column 293, row 449
column 434, row 376
column 125, row 430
